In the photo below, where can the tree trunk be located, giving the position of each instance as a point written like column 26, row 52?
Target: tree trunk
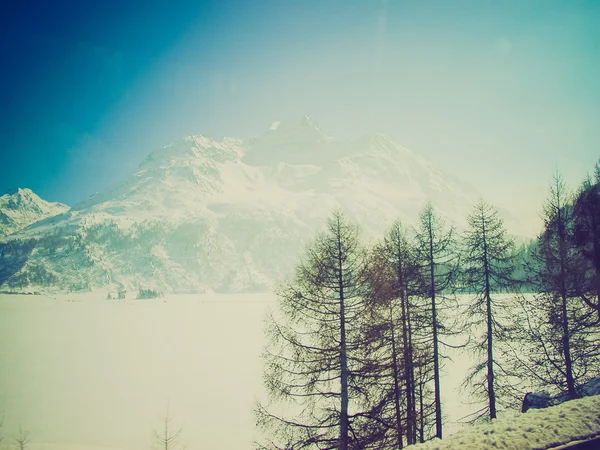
column 343, row 442
column 421, row 412
column 436, row 357
column 563, row 295
column 407, row 354
column 490, row 348
column 396, row 384
column 567, row 351
column 411, row 376
column 490, row 360
column 408, row 363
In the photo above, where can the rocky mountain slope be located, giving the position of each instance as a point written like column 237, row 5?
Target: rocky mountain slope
column 227, row 215
column 21, row 208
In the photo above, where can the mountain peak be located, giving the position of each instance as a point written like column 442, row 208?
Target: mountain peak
column 16, row 196
column 307, row 120
column 303, row 124
column 18, row 191
column 21, row 207
column 195, row 149
column 294, row 141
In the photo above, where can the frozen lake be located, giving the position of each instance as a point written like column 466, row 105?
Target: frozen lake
column 80, row 372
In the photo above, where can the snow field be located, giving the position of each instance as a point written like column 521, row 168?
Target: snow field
column 84, row 373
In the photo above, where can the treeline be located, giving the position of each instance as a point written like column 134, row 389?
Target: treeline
column 354, row 350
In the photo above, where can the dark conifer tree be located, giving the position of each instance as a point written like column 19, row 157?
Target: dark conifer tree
column 557, row 344
column 586, row 237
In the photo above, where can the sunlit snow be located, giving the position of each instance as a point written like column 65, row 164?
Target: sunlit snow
column 84, row 373
column 81, row 370
column 78, row 369
column 536, row 429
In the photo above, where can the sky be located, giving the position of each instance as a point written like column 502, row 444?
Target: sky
column 500, row 94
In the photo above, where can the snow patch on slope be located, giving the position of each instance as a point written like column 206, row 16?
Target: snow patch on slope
column 536, row 429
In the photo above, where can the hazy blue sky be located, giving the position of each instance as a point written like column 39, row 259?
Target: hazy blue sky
column 498, row 92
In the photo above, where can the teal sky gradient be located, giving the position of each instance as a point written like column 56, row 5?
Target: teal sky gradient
column 498, row 93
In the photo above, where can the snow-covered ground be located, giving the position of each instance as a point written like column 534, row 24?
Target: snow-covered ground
column 536, row 429
column 84, row 373
column 81, row 373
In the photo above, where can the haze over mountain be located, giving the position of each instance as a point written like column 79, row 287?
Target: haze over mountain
column 227, row 215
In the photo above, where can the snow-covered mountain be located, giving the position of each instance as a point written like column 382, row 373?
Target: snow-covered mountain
column 227, row 215
column 21, row 207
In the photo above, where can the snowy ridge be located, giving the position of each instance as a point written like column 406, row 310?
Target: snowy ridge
column 22, row 207
column 203, row 215
column 536, row 429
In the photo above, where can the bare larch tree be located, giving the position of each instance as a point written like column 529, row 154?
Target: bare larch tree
column 488, row 267
column 312, row 366
column 436, row 255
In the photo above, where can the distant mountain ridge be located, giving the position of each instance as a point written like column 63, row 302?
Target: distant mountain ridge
column 20, row 208
column 227, row 215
